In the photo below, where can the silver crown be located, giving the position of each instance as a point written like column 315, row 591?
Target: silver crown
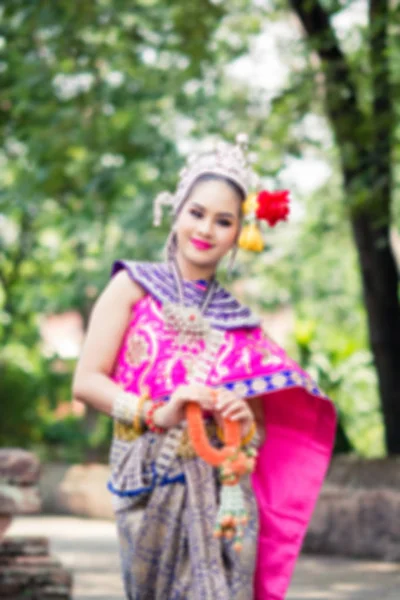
column 228, row 160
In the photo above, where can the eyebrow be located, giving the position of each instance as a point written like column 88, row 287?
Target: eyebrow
column 220, row 214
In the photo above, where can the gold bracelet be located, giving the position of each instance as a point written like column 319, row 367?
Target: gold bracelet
column 220, row 434
column 247, row 438
column 137, row 425
column 250, row 434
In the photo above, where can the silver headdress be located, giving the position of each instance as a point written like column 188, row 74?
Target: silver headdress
column 228, row 160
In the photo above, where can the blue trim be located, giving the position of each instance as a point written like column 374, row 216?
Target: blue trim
column 292, row 378
column 258, row 385
column 180, row 478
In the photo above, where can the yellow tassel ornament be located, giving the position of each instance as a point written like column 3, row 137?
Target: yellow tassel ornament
column 250, row 204
column 251, row 238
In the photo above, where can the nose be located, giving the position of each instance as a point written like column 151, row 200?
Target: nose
column 205, row 228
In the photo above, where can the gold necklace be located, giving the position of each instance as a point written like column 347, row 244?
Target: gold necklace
column 188, row 321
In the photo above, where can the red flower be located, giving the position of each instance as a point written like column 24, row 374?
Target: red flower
column 273, row 206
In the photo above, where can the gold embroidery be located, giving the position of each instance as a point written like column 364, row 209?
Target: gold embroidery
column 260, row 346
column 125, row 432
column 137, row 350
column 266, row 356
column 189, row 363
column 151, row 336
column 221, row 370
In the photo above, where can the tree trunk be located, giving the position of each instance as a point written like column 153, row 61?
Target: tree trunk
column 371, row 227
column 380, row 281
column 365, row 143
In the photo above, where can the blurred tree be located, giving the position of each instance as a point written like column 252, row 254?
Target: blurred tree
column 84, row 94
column 359, row 90
column 89, row 113
column 98, row 102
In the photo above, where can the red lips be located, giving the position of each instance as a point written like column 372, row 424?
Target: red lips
column 200, row 244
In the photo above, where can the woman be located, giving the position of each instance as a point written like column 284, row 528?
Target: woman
column 165, row 334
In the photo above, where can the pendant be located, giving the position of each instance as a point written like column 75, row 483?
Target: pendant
column 188, row 322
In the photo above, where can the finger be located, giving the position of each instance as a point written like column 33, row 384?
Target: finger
column 202, row 395
column 222, row 405
column 244, row 420
column 234, row 409
column 206, row 402
column 236, row 406
column 225, row 400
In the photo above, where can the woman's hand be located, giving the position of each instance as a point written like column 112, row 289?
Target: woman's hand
column 230, row 406
column 173, row 412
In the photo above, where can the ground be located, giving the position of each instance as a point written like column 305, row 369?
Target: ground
column 89, row 548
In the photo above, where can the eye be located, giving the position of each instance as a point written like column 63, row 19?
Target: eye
column 224, row 222
column 196, row 213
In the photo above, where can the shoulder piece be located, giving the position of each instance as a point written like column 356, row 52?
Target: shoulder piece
column 223, row 312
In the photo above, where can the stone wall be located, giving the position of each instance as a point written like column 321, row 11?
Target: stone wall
column 363, row 523
column 19, row 476
column 358, row 512
column 76, row 490
column 27, row 570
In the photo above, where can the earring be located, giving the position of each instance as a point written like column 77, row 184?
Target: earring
column 232, row 259
column 172, row 244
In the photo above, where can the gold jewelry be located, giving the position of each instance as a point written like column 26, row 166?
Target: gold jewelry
column 246, row 439
column 250, row 434
column 138, row 418
column 226, row 160
column 125, row 407
column 188, row 321
column 125, row 432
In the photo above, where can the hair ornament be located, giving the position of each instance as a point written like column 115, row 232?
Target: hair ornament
column 232, row 161
column 225, row 159
column 273, row 206
column 163, row 199
column 264, row 206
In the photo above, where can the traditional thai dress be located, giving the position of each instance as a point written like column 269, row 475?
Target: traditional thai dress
column 166, row 498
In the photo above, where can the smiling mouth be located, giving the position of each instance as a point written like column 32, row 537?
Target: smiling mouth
column 200, row 244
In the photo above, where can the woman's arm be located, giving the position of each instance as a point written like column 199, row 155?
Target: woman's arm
column 108, row 322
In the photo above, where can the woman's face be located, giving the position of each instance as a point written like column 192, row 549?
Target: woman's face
column 209, row 222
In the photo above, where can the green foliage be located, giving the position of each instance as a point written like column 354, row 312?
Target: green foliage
column 64, row 439
column 344, row 370
column 90, row 107
column 20, row 425
column 98, row 103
